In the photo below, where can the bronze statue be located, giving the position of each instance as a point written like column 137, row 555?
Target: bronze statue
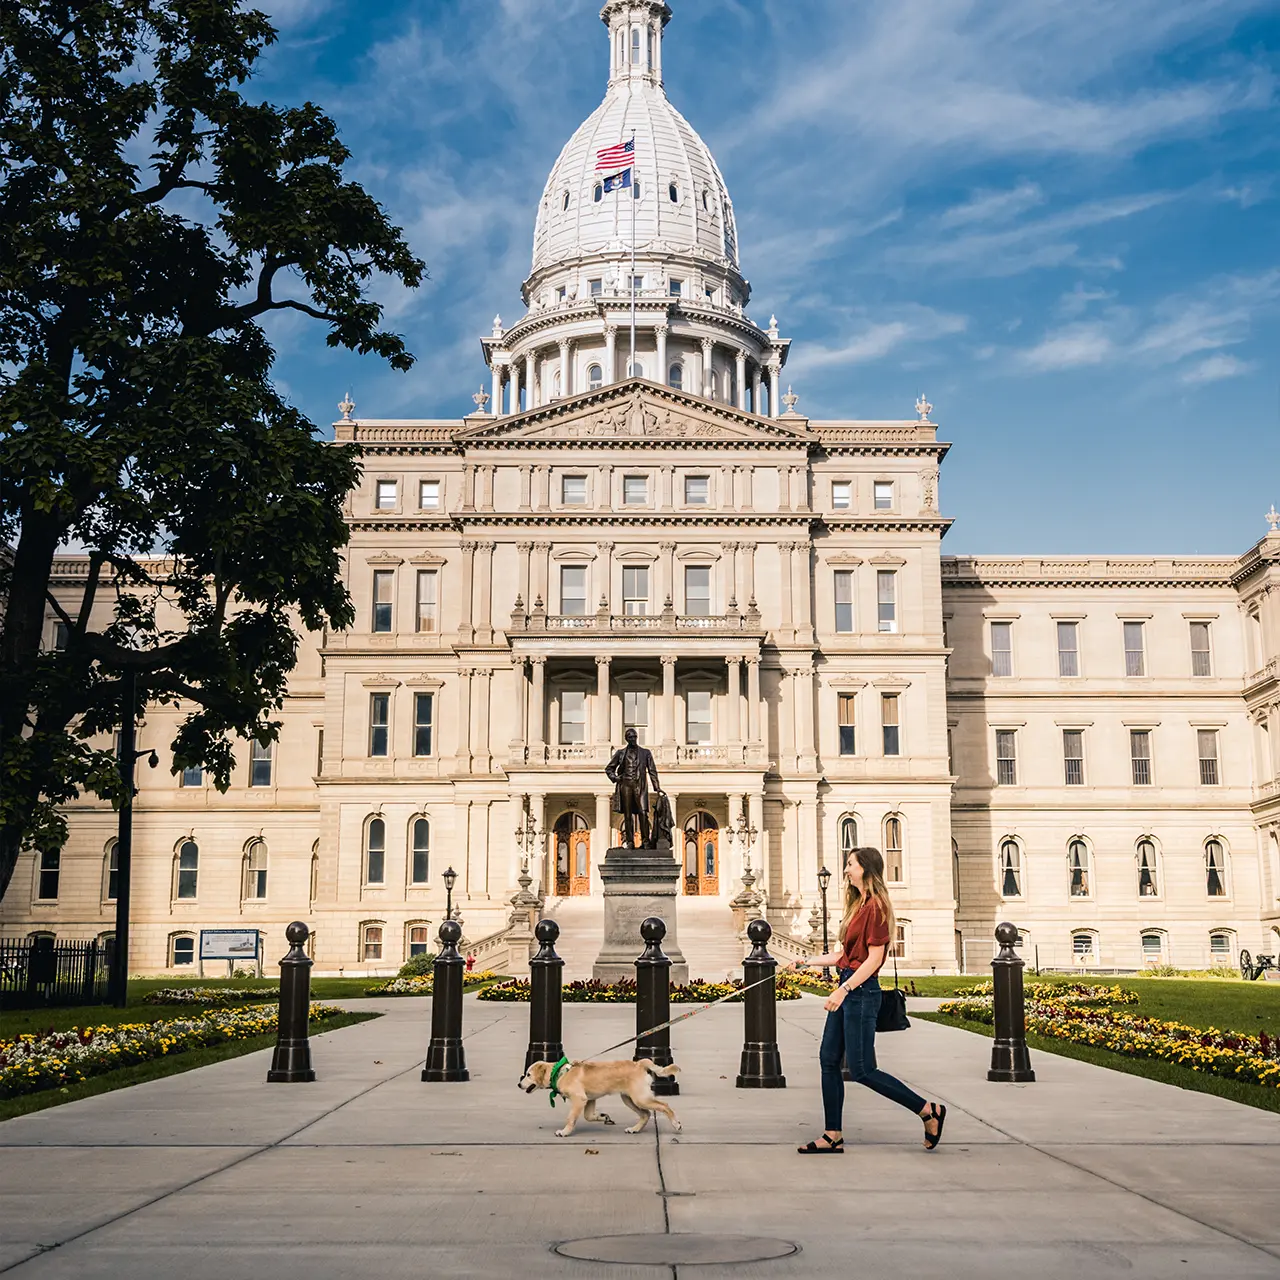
column 631, row 770
column 664, row 821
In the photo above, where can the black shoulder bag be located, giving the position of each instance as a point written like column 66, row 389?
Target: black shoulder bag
column 893, row 1007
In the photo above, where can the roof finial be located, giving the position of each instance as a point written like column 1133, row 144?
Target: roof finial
column 773, row 326
column 347, row 407
column 1273, row 519
column 481, row 399
column 497, row 326
column 923, row 408
column 790, row 399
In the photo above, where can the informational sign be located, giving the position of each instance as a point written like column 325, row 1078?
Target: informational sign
column 228, row 944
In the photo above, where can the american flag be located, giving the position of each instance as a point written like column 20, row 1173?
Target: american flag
column 611, row 159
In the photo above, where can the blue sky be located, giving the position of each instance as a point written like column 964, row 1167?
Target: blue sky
column 1057, row 218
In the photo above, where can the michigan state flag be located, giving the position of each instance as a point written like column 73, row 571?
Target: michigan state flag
column 618, row 181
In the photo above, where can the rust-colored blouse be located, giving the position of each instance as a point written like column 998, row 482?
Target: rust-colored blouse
column 867, row 929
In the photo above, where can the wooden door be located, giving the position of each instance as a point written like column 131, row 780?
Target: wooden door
column 571, row 845
column 701, row 856
column 709, row 863
column 580, row 862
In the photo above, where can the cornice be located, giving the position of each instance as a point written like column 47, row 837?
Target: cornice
column 1087, row 571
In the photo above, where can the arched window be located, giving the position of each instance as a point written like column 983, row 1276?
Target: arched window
column 375, row 852
column 314, row 892
column 182, row 950
column 706, row 199
column 564, row 202
column 675, row 376
column 418, row 940
column 1010, row 869
column 566, row 824
column 1084, row 948
column 955, row 872
column 713, row 385
column 1152, row 947
column 673, row 192
column 420, row 837
column 1078, row 868
column 901, row 946
column 893, row 849
column 848, row 840
column 1148, row 871
column 111, row 878
column 255, row 871
column 635, row 189
column 637, row 370
column 371, row 936
column 1215, row 869
column 556, row 383
column 1221, row 947
column 598, row 194
column 700, row 845
column 186, row 870
column 595, row 377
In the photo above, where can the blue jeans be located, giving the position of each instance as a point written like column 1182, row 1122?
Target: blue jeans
column 850, row 1037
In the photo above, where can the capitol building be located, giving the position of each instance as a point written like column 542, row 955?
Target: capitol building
column 638, row 526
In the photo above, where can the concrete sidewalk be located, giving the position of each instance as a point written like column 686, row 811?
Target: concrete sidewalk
column 370, row 1173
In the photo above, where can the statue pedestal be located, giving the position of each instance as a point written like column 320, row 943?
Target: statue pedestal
column 638, row 883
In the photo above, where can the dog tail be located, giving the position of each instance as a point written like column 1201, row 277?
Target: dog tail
column 648, row 1065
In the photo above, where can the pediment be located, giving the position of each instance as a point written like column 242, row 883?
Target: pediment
column 635, row 412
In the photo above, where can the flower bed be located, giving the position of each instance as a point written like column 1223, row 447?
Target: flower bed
column 421, row 986
column 590, row 991
column 31, row 1063
column 1082, row 1014
column 211, row 996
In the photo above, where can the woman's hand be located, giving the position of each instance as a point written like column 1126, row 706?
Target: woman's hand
column 791, row 966
column 835, row 999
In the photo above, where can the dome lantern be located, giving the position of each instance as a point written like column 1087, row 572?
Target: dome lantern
column 635, row 38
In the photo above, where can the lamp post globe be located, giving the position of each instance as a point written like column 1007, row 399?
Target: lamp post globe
column 824, row 882
column 450, row 878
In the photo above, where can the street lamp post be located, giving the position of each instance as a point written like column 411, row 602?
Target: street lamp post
column 824, row 881
column 450, row 878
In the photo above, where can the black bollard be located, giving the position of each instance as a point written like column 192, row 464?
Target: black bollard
column 291, row 1062
column 1010, row 1059
column 545, row 972
column 446, row 1058
column 761, row 1065
column 653, row 1004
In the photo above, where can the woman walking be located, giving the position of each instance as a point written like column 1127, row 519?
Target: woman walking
column 850, row 1034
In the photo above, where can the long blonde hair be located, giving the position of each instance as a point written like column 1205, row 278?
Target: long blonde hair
column 873, row 886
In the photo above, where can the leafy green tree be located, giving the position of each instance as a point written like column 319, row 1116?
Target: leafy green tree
column 151, row 217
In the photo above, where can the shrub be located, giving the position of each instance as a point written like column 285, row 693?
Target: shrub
column 417, row 966
column 589, row 991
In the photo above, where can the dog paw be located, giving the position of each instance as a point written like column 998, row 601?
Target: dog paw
column 604, row 1119
column 562, row 1133
column 677, row 1126
column 636, row 1128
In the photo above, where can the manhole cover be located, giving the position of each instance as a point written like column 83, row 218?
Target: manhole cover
column 677, row 1250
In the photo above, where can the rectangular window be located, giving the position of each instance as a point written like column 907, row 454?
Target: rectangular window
column 1207, row 744
column 844, row 600
column 676, row 288
column 1135, row 651
column 887, row 601
column 562, row 293
column 379, row 723
column 884, row 495
column 1073, row 756
column 383, row 586
column 424, row 707
column 255, row 872
column 1140, row 756
column 573, row 590
column 319, row 752
column 635, row 711
column 373, row 942
column 698, row 716
column 697, row 490
column 573, row 491
column 635, row 490
column 193, row 776
column 1201, row 660
column 596, row 287
column 635, row 590
column 50, row 870
column 1007, row 757
column 1002, row 648
column 419, row 940
column 61, row 634
column 184, row 952
column 386, row 499
column 429, row 495
column 428, row 600
column 841, row 495
column 889, row 723
column 1220, row 947
column 635, row 45
column 1068, row 649
column 420, row 862
column 697, row 590
column 637, row 282
column 259, row 764
column 188, row 869
column 113, row 872
column 573, row 716
column 847, row 707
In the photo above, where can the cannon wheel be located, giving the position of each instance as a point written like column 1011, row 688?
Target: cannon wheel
column 1246, row 966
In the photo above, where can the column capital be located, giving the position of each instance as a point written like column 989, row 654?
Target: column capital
column 524, row 546
column 603, row 659
column 485, row 546
column 669, row 659
column 708, row 345
column 518, row 660
column 605, row 546
column 538, row 659
column 752, row 659
column 468, row 547
column 729, row 546
column 611, row 331
column 662, row 329
column 734, row 659
column 542, row 546
column 667, row 546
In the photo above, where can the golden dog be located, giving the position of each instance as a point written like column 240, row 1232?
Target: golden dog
column 583, row 1082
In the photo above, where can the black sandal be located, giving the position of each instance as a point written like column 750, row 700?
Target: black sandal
column 939, row 1114
column 834, row 1147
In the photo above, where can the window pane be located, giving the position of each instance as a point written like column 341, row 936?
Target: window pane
column 884, row 495
column 1140, row 755
column 375, row 852
column 1082, row 945
column 428, row 602
column 50, row 866
column 1073, row 756
column 595, row 374
column 1148, row 882
column 573, row 590
column 1068, row 649
column 887, row 601
column 697, row 490
column 1219, row 945
column 379, row 720
column 889, row 723
column 675, row 377
column 847, row 709
column 698, row 716
column 424, row 705
column 893, row 849
column 1152, row 946
column 429, row 495
column 635, row 489
column 635, row 590
column 841, row 495
column 419, row 868
column 113, row 872
column 697, row 590
column 193, row 776
column 419, row 940
column 259, row 764
column 386, row 494
column 844, row 600
column 1078, row 862
column 573, row 490
column 635, row 711
column 1007, row 757
column 255, row 869
column 1010, row 870
column 188, row 869
column 1200, row 660
column 1002, row 648
column 573, row 716
column 1135, row 663
column 372, row 942
column 1207, row 740
column 383, row 582
column 675, row 287
column 1215, row 863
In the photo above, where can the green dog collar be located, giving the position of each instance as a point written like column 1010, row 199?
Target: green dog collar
column 560, row 1066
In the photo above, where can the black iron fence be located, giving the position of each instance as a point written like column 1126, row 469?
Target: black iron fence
column 40, row 971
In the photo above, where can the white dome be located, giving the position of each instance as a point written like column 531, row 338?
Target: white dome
column 671, row 159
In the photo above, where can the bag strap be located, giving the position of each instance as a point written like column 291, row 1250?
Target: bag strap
column 895, row 973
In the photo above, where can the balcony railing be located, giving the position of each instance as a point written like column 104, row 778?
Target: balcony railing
column 1269, row 672
column 695, row 754
column 537, row 619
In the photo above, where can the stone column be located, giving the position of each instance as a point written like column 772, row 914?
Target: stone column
column 784, row 579
column 520, row 735
column 605, row 584
column 755, row 388
column 485, row 629
column 759, row 860
column 611, row 353
column 753, row 700
column 466, row 627
column 566, row 368
column 480, row 697
column 495, row 398
column 464, row 719
column 530, row 381
column 602, row 700
column 805, row 750
column 740, row 389
column 803, row 602
column 660, row 332
column 605, row 502
column 734, row 718
column 513, row 383
column 524, row 548
column 668, row 550
column 542, row 584
column 668, row 699
column 668, row 483
column 538, row 711
column 731, row 571
column 749, row 566
column 526, row 485
column 468, row 487
column 807, row 859
column 708, row 354
column 775, row 374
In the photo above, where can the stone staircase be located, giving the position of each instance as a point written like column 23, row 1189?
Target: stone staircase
column 707, row 936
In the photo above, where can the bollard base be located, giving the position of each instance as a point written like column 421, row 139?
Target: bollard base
column 543, row 1051
column 760, row 1068
column 1011, row 1064
column 291, row 1065
column 446, row 1063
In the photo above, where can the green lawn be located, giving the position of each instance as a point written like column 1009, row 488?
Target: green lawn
column 154, row 1070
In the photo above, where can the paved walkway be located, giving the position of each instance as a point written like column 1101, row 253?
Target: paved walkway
column 370, row 1173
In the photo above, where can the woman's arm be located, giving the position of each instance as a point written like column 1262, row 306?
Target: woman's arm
column 814, row 962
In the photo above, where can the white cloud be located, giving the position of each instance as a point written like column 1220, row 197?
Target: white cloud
column 1070, row 348
column 1215, row 368
column 1075, row 303
column 870, row 340
column 993, row 206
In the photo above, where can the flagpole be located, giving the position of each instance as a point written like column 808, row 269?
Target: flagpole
column 634, row 189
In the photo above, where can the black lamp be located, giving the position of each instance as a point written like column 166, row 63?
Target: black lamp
column 824, row 882
column 450, row 878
